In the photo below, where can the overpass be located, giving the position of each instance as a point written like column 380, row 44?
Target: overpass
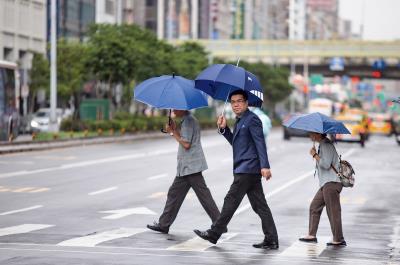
column 316, row 55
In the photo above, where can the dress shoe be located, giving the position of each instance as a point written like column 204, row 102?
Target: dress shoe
column 267, row 245
column 206, row 236
column 341, row 244
column 308, row 240
column 156, row 227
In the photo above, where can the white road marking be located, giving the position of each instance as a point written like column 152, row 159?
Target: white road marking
column 287, row 185
column 199, row 244
column 102, row 191
column 157, row 195
column 302, row 249
column 22, row 210
column 226, row 160
column 17, row 162
column 20, row 229
column 116, row 214
column 87, row 163
column 157, row 177
column 93, row 240
column 23, row 189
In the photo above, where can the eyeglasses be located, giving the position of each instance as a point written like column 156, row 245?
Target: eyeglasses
column 239, row 101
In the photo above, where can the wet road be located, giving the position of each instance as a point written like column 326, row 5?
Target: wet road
column 90, row 205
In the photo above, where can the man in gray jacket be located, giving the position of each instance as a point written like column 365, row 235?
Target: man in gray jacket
column 191, row 163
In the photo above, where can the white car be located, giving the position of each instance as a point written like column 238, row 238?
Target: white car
column 41, row 119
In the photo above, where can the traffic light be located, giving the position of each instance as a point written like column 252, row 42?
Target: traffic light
column 376, row 74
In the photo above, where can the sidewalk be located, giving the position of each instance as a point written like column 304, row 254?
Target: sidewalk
column 25, row 144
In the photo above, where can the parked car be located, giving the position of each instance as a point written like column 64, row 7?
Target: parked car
column 41, row 119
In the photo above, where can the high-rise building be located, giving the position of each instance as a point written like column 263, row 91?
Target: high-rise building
column 322, row 19
column 278, row 17
column 297, row 19
column 73, row 18
column 22, row 30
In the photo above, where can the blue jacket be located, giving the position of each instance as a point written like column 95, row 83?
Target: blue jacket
column 248, row 143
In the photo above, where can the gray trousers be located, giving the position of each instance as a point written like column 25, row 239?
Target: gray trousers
column 177, row 193
column 329, row 196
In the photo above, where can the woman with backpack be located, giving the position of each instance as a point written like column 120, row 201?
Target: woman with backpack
column 329, row 192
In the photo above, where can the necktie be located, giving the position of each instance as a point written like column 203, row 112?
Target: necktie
column 235, row 126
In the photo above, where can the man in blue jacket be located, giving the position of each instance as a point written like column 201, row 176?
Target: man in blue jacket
column 250, row 162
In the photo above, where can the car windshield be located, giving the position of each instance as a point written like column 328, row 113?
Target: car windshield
column 42, row 114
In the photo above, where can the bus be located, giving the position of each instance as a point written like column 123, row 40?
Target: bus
column 9, row 101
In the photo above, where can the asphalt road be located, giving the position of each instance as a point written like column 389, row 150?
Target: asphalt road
column 91, row 204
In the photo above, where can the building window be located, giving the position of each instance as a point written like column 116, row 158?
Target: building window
column 109, row 7
column 150, row 3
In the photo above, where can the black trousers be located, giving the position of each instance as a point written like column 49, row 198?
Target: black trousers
column 243, row 184
column 177, row 193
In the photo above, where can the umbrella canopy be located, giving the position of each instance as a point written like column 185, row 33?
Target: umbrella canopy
column 219, row 80
column 396, row 100
column 316, row 122
column 170, row 92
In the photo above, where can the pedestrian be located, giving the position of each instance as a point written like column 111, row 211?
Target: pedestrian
column 250, row 164
column 191, row 163
column 266, row 121
column 329, row 192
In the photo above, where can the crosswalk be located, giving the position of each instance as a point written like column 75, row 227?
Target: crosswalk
column 186, row 242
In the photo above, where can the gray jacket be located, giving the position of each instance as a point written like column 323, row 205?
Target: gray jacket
column 192, row 160
column 328, row 156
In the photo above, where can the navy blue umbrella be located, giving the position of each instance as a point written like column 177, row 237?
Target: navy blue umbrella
column 219, row 80
column 316, row 122
column 170, row 92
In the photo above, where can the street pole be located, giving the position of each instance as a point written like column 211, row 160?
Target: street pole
column 53, row 68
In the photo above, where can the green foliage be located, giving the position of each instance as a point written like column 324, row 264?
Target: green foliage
column 71, row 72
column 40, row 73
column 190, row 59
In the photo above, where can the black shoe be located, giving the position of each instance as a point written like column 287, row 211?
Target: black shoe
column 308, row 240
column 156, row 227
column 341, row 244
column 206, row 236
column 267, row 245
column 225, row 231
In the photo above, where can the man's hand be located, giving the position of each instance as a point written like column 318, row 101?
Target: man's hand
column 266, row 173
column 170, row 128
column 313, row 151
column 221, row 122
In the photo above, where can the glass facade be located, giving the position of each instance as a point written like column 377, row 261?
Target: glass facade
column 73, row 18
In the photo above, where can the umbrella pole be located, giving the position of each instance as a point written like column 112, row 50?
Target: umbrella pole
column 169, row 122
column 223, row 111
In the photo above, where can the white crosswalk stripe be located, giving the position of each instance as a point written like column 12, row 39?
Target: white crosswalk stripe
column 21, row 229
column 198, row 244
column 302, row 249
column 93, row 240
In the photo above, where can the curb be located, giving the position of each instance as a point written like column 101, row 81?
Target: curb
column 26, row 146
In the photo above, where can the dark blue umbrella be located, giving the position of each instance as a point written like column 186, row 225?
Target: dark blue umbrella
column 219, row 80
column 396, row 100
column 170, row 92
column 316, row 122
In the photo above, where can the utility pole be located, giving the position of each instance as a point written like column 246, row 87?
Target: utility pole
column 53, row 67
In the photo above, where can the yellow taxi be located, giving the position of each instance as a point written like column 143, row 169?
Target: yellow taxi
column 380, row 123
column 358, row 127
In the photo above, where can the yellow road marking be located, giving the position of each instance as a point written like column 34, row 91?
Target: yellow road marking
column 23, row 189
column 157, row 195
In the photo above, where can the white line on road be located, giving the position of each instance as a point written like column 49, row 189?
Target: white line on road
column 102, row 191
column 310, row 250
column 87, row 163
column 93, row 240
column 287, row 185
column 199, row 244
column 116, row 214
column 22, row 210
column 20, row 229
column 157, row 177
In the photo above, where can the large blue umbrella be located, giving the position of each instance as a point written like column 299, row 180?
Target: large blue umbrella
column 219, row 80
column 316, row 122
column 170, row 92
